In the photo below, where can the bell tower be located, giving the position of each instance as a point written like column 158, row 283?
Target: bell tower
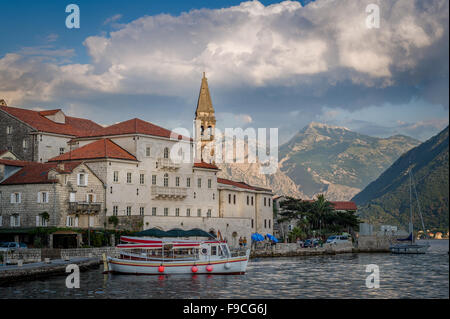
column 205, row 122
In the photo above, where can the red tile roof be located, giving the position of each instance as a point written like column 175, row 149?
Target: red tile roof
column 104, row 148
column 49, row 112
column 233, row 183
column 14, row 162
column 37, row 173
column 74, row 126
column 205, row 165
column 242, row 185
column 340, row 205
column 344, row 205
column 133, row 126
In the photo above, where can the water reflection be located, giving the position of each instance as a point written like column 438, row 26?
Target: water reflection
column 338, row 276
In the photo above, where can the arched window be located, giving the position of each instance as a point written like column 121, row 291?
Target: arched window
column 166, row 152
column 166, row 180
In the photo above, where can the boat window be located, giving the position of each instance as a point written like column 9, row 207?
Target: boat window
column 214, row 250
column 204, row 251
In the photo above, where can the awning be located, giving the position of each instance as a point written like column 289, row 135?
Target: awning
column 257, row 237
column 272, row 238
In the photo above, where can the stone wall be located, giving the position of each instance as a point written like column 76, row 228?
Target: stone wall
column 29, row 208
column 374, row 243
column 58, row 200
column 37, row 255
column 294, row 249
column 14, row 141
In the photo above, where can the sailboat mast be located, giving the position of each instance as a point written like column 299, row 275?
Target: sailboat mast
column 411, row 227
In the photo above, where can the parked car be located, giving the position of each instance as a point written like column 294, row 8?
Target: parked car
column 337, row 239
column 313, row 242
column 11, row 246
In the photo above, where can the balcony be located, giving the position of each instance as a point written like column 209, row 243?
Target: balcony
column 166, row 163
column 84, row 207
column 161, row 192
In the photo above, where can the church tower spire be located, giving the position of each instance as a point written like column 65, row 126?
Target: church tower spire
column 204, row 103
column 205, row 120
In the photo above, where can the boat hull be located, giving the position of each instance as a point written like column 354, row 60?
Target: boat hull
column 409, row 249
column 235, row 265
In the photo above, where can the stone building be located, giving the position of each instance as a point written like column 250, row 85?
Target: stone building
column 66, row 195
column 149, row 175
column 39, row 135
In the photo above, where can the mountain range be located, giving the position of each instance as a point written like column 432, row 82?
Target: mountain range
column 324, row 159
column 386, row 199
column 337, row 162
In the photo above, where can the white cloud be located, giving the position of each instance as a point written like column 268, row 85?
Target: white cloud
column 284, row 44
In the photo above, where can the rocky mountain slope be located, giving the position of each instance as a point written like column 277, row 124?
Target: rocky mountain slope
column 250, row 174
column 336, row 161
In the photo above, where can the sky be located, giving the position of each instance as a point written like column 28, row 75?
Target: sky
column 268, row 63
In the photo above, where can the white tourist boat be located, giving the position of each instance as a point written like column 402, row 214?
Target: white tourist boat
column 155, row 256
column 410, row 246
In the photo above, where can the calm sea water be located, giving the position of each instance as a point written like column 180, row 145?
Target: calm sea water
column 339, row 276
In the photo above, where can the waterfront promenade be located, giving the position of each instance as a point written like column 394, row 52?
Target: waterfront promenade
column 11, row 273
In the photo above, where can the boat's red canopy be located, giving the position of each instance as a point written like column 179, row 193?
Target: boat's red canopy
column 140, row 240
column 158, row 246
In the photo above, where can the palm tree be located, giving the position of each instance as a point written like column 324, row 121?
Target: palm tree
column 322, row 209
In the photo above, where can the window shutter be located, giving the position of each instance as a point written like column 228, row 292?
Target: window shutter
column 67, row 221
column 76, row 221
column 13, row 198
column 39, row 197
column 86, row 180
column 20, row 197
column 78, row 179
column 37, row 220
column 11, row 221
column 46, row 197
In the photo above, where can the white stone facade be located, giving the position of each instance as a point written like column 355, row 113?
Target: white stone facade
column 23, row 205
column 157, row 192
